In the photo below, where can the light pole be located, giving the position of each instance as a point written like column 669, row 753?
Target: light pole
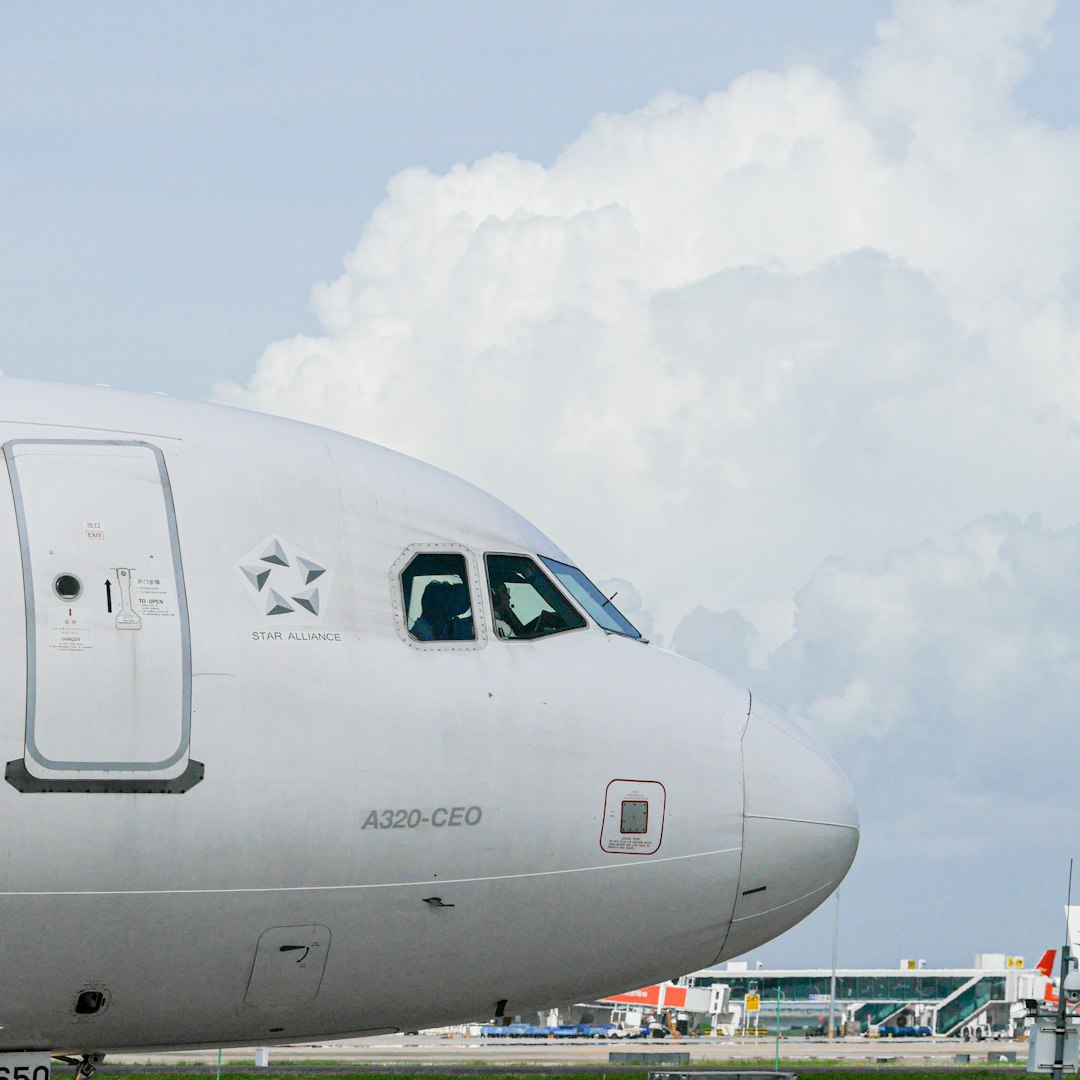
column 832, row 980
column 1061, row 1026
column 779, row 995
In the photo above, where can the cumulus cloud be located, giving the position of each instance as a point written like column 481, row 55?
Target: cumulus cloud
column 941, row 645
column 734, row 349
column 796, row 318
column 963, row 653
column 946, row 675
column 723, row 640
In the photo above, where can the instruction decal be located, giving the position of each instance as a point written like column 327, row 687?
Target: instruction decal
column 153, row 596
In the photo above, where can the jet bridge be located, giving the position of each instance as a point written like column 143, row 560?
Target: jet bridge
column 947, row 1000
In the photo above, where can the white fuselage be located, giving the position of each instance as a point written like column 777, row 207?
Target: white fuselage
column 237, row 825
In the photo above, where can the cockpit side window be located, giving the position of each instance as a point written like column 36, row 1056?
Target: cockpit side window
column 600, row 607
column 525, row 602
column 435, row 589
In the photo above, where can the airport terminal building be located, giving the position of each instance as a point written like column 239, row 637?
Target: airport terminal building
column 976, row 1003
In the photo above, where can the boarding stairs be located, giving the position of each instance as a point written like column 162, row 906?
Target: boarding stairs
column 964, row 1005
column 891, row 1016
column 872, row 1013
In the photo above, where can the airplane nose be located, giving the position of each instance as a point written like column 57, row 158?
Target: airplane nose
column 800, row 829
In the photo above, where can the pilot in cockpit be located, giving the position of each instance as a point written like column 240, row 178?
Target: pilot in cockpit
column 507, row 624
column 445, row 613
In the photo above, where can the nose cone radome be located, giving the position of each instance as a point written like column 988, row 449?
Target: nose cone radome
column 800, row 829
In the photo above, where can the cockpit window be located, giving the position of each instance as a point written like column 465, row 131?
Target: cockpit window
column 435, row 587
column 524, row 601
column 603, row 611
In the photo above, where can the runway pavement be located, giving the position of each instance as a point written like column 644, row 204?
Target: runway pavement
column 431, row 1050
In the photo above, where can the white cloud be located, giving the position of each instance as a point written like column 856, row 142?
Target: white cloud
column 945, row 644
column 756, row 329
column 717, row 342
column 945, row 676
column 724, row 640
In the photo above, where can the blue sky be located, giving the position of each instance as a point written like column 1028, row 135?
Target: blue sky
column 789, row 289
column 177, row 176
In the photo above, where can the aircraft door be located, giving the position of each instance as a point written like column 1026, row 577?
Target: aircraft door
column 108, row 659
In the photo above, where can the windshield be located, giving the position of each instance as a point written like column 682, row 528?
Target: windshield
column 606, row 615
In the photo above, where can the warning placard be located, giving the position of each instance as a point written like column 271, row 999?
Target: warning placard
column 70, row 630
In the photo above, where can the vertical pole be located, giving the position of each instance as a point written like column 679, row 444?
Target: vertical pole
column 832, row 980
column 1059, row 1029
column 777, row 1025
column 219, row 1063
column 1066, row 964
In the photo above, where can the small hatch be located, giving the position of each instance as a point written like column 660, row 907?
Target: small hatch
column 90, row 1002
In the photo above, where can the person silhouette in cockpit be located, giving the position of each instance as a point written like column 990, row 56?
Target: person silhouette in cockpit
column 444, row 615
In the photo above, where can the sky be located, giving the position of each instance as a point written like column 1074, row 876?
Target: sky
column 768, row 313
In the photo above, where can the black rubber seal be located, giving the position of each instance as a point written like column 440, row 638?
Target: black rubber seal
column 16, row 775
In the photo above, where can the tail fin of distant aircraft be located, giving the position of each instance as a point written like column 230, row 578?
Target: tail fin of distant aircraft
column 1046, row 965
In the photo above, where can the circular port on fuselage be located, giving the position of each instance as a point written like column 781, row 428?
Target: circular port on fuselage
column 67, row 587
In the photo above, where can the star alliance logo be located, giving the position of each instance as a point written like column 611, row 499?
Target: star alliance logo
column 286, row 582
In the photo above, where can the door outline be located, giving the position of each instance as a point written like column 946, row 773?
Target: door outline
column 15, row 772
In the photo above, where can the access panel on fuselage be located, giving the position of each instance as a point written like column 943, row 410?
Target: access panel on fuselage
column 107, row 643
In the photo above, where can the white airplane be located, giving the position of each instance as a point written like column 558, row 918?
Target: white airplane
column 304, row 739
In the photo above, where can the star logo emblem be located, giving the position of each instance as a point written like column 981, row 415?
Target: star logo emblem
column 286, row 583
